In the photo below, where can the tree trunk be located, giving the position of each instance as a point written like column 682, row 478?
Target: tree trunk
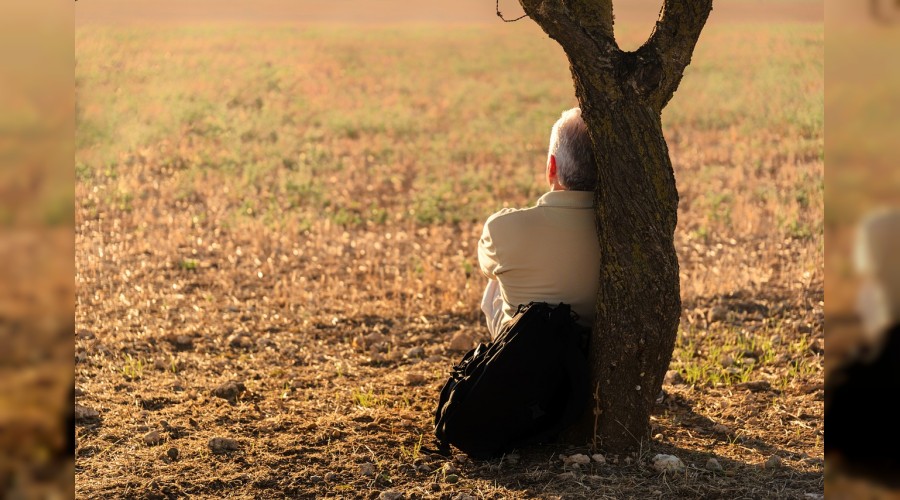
column 622, row 95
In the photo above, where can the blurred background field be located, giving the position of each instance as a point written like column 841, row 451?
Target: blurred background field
column 295, row 205
column 863, row 77
column 333, row 130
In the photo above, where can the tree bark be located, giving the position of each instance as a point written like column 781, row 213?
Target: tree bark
column 622, row 95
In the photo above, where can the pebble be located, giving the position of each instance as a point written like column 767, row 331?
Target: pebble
column 717, row 314
column 511, row 458
column 229, row 390
column 223, row 445
column 435, row 487
column 755, row 386
column 367, row 469
column 673, row 377
column 390, row 495
column 449, row 468
column 330, row 477
column 434, row 358
column 316, row 479
column 667, row 463
column 721, row 429
column 451, row 478
column 152, row 438
column 413, row 378
column 600, row 459
column 183, row 342
column 463, row 496
column 173, row 453
column 461, row 341
column 773, row 462
column 415, row 352
column 239, row 340
column 373, row 338
column 85, row 413
column 565, row 476
column 577, row 458
column 424, row 468
column 713, row 465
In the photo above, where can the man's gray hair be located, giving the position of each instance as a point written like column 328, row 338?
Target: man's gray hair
column 570, row 143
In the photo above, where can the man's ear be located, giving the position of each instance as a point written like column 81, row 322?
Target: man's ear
column 551, row 169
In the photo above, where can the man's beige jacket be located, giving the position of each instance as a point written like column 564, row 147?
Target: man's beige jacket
column 546, row 253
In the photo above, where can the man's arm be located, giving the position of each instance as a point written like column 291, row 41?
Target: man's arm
column 487, row 252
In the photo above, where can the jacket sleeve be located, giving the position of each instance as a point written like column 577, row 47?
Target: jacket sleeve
column 487, row 252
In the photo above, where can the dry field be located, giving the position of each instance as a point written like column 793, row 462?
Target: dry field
column 275, row 244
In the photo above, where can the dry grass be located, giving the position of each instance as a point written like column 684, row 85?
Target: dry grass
column 297, row 208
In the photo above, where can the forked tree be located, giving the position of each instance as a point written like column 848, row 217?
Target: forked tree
column 622, row 95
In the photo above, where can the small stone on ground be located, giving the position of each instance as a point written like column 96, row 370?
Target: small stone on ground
column 461, row 341
column 721, row 429
column 229, row 390
column 367, row 469
column 673, row 377
column 713, row 465
column 667, row 463
column 415, row 352
column 152, row 438
column 223, row 445
column 577, row 458
column 85, row 413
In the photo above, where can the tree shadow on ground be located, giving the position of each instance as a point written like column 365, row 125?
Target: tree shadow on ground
column 538, row 471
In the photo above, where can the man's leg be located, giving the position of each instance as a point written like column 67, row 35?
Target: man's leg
column 492, row 306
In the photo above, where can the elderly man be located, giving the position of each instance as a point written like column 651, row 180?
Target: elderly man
column 860, row 396
column 548, row 252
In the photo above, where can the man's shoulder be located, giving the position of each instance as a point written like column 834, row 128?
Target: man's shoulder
column 505, row 212
column 509, row 217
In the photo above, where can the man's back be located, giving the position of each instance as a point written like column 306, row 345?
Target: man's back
column 546, row 253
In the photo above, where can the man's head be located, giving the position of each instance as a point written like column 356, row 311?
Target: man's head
column 570, row 159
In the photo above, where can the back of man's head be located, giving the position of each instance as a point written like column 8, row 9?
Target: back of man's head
column 570, row 144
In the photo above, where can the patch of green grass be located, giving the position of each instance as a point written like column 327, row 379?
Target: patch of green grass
column 365, row 399
column 188, row 264
column 700, row 358
column 132, row 368
column 413, row 452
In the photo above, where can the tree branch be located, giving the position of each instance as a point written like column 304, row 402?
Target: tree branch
column 595, row 17
column 584, row 29
column 669, row 49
